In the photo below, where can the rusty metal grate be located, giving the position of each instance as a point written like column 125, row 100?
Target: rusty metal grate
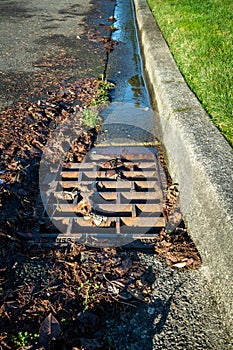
column 116, row 192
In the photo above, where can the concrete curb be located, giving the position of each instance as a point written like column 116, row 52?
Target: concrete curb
column 199, row 159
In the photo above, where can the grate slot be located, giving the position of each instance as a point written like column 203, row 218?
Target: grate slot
column 143, row 222
column 140, row 197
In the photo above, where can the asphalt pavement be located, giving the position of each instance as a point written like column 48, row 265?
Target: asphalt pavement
column 49, row 38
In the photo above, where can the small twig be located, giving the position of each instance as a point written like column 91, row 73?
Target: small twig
column 40, row 291
column 123, row 302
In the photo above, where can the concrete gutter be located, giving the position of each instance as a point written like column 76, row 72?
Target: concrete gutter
column 199, row 159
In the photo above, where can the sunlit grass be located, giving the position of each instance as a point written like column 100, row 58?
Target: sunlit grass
column 200, row 36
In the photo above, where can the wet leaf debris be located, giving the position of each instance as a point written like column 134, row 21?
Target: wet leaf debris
column 178, row 249
column 25, row 129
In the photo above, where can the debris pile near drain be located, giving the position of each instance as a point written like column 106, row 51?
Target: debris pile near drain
column 171, row 200
column 113, row 168
column 74, row 284
column 178, row 249
column 171, row 208
column 85, row 208
column 32, row 124
column 80, row 147
column 21, row 150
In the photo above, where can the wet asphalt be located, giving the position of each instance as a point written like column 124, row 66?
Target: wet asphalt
column 36, row 38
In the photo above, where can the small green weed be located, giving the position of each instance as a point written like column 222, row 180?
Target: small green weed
column 87, row 291
column 24, row 339
column 102, row 95
column 113, row 28
column 90, row 118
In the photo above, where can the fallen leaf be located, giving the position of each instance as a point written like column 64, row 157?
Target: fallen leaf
column 180, row 264
column 49, row 330
column 124, row 267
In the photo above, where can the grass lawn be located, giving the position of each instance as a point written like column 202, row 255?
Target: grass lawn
column 200, row 36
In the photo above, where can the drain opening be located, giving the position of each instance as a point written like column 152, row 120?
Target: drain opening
column 116, row 191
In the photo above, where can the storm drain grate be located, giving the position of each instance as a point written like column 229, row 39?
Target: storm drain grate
column 115, row 193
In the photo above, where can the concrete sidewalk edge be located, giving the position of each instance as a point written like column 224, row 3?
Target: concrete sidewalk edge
column 199, row 159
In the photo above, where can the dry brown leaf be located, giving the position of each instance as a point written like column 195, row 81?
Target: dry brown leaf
column 180, row 264
column 49, row 330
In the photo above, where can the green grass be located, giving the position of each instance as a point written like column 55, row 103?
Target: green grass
column 200, row 36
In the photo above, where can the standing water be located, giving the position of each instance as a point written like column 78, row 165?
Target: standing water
column 129, row 119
